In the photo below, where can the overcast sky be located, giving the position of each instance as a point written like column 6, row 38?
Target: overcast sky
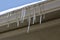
column 7, row 4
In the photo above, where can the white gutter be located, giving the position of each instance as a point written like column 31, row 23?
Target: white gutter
column 16, row 8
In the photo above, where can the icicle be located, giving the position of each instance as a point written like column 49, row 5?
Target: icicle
column 23, row 15
column 34, row 16
column 40, row 14
column 29, row 19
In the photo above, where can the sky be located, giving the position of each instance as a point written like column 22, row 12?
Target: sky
column 7, row 4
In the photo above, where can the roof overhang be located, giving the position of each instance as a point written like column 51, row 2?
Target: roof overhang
column 19, row 7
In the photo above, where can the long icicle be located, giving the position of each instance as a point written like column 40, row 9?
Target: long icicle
column 40, row 15
column 29, row 21
column 34, row 16
column 22, row 16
